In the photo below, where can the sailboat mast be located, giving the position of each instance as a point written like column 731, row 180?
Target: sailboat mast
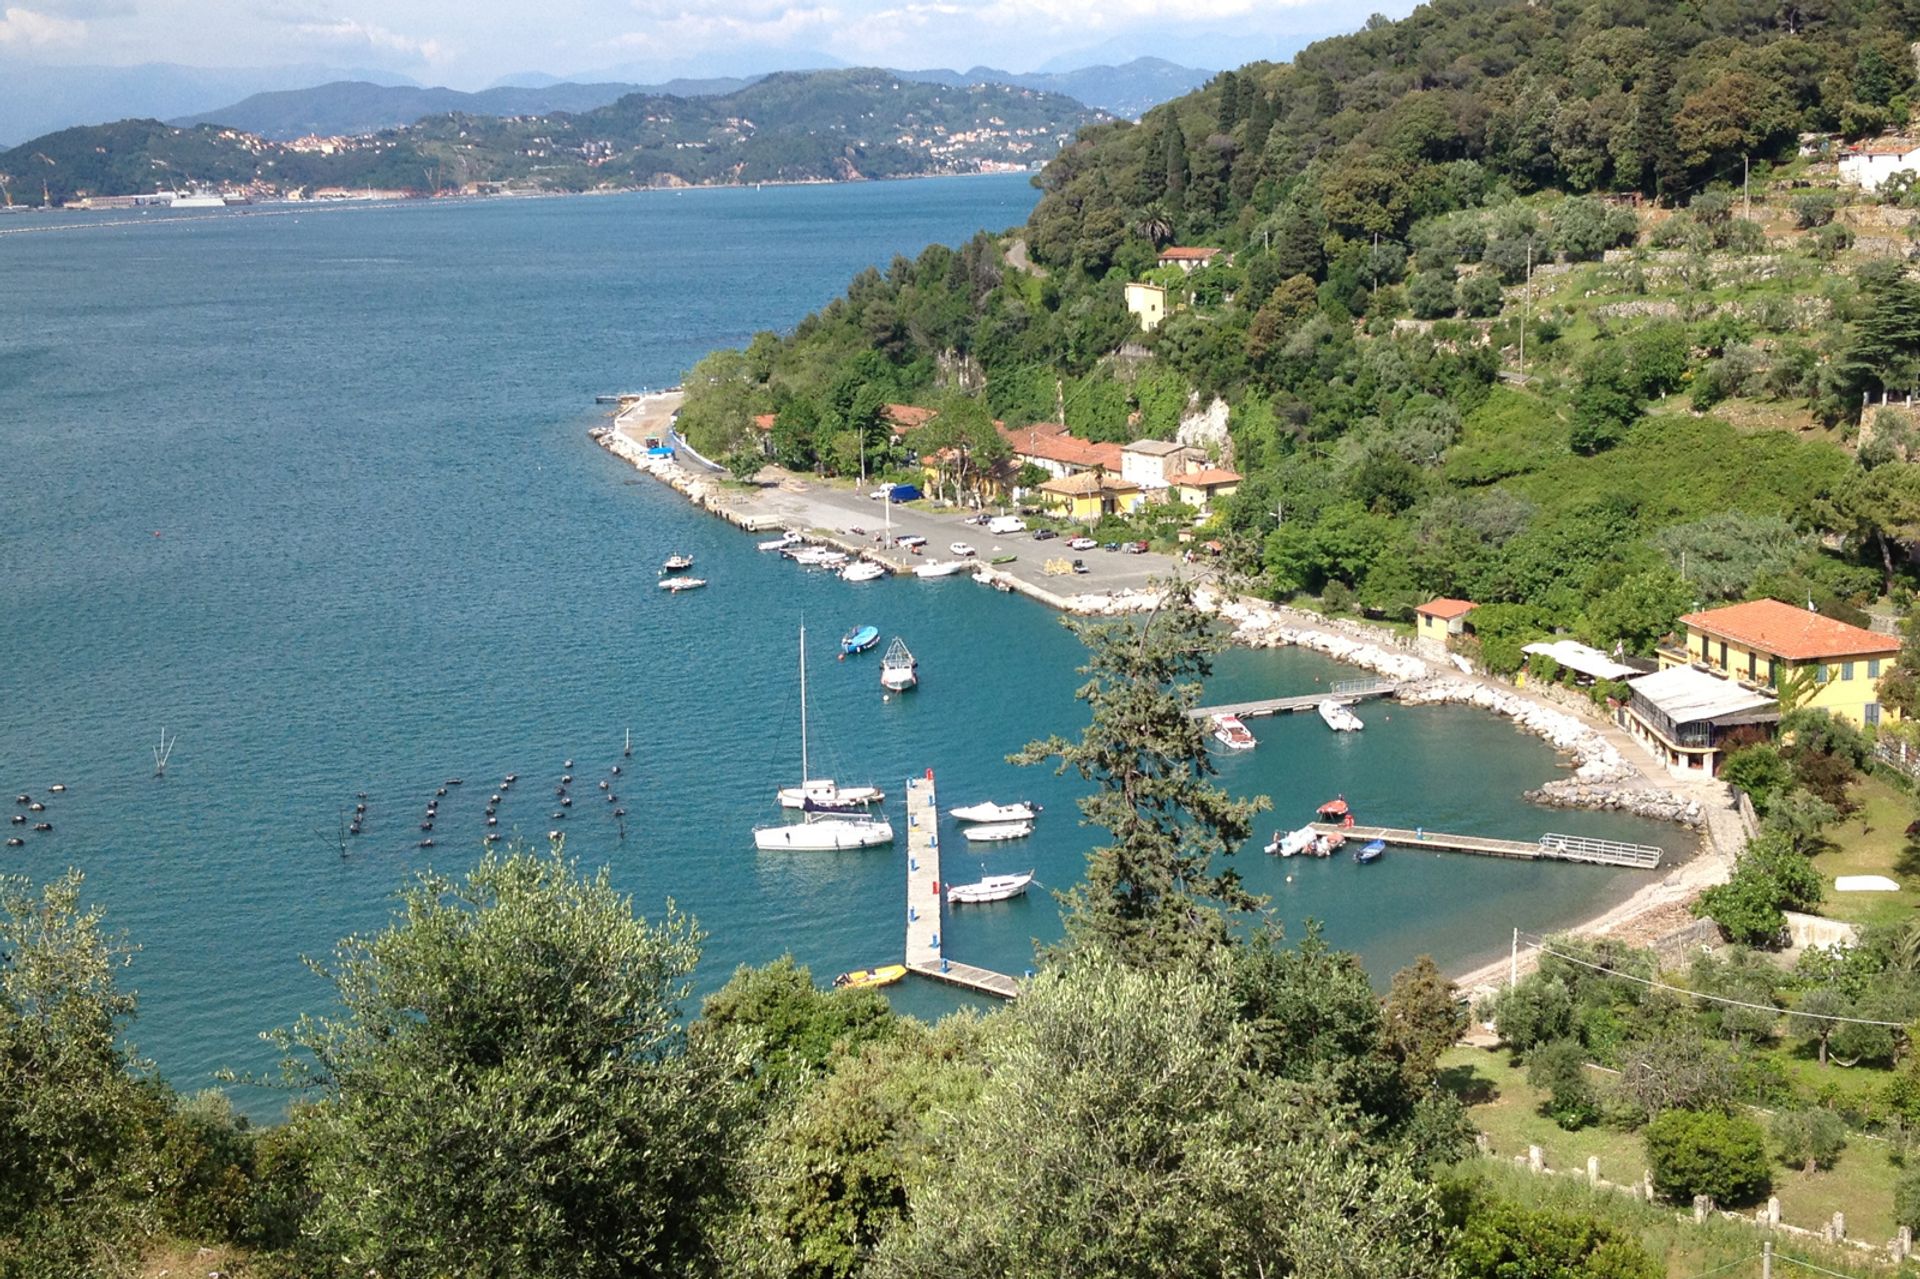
column 804, row 774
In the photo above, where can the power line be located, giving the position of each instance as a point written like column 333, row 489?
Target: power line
column 1649, row 982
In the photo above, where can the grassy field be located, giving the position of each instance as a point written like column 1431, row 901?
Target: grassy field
column 1508, row 1110
column 1872, row 842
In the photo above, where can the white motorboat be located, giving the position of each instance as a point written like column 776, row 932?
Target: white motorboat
column 862, row 571
column 676, row 585
column 1294, row 842
column 820, row 831
column 823, row 795
column 961, row 549
column 899, row 669
column 941, row 568
column 994, row 888
column 1339, row 718
column 996, row 832
column 817, row 557
column 781, row 543
column 1232, row 734
column 1021, row 812
column 676, row 564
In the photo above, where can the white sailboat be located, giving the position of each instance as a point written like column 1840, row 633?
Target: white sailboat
column 899, row 671
column 823, row 831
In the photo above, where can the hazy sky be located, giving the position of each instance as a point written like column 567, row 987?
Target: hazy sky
column 467, row 43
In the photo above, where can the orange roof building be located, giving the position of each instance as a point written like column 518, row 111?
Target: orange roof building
column 1762, row 643
column 1438, row 619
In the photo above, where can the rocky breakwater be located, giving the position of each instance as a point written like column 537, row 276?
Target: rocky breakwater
column 702, row 491
column 1260, row 625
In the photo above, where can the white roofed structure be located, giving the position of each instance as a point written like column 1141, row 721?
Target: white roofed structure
column 1689, row 718
column 1578, row 657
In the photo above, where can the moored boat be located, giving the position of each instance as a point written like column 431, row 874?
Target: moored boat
column 941, row 568
column 994, row 888
column 679, row 584
column 1021, row 812
column 859, row 640
column 868, row 978
column 1370, row 852
column 1305, row 842
column 820, row 831
column 781, row 543
column 1232, row 734
column 1335, row 810
column 899, row 670
column 997, row 832
column 862, row 571
column 1339, row 718
column 677, row 564
column 825, row 797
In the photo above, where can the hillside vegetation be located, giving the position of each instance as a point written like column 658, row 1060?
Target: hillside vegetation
column 795, row 126
column 1499, row 320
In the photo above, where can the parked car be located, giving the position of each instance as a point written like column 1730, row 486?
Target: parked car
column 1080, row 566
column 977, row 520
column 1134, row 548
column 1109, row 546
column 910, row 540
column 1082, row 544
column 1044, row 535
column 881, row 495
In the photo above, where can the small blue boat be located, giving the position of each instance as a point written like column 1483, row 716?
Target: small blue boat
column 1371, row 853
column 859, row 639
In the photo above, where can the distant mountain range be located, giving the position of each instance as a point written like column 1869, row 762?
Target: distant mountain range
column 791, row 126
column 1128, row 89
column 347, row 108
column 36, row 99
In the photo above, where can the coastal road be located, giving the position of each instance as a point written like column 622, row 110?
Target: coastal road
column 807, row 503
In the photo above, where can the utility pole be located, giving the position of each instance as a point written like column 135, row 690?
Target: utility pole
column 1746, row 187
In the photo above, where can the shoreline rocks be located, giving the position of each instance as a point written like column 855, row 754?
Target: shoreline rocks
column 1640, row 801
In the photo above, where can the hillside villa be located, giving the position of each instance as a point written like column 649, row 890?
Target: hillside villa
column 1188, row 260
column 1761, row 643
column 1146, row 303
column 1871, row 163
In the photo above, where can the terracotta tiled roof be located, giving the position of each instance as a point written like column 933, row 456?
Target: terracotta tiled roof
column 1796, row 634
column 1888, row 146
column 1174, row 253
column 1446, row 608
column 1049, row 442
column 1207, row 477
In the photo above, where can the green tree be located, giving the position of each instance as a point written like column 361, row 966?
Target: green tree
column 790, row 1026
column 509, row 1088
column 1151, row 897
column 1118, row 1134
column 1707, row 1152
column 1759, row 770
column 71, row 1181
column 1560, row 1070
column 1499, row 1239
column 1809, row 1139
column 1605, row 402
column 1637, row 612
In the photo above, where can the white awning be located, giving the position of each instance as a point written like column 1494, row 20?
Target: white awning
column 1688, row 696
column 1578, row 657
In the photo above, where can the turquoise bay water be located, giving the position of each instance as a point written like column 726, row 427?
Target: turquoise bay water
column 313, row 492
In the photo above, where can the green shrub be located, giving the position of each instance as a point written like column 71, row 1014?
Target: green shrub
column 1906, row 1198
column 1499, row 1239
column 1537, row 1011
column 1559, row 1069
column 1707, row 1152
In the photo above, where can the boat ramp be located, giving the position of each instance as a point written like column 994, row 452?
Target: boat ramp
column 1549, row 847
column 1345, row 692
column 925, row 897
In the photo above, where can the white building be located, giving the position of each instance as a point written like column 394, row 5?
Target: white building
column 1871, row 163
column 1152, row 464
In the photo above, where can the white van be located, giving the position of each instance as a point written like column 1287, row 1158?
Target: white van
column 1001, row 525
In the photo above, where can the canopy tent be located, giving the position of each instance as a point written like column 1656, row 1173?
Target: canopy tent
column 1590, row 662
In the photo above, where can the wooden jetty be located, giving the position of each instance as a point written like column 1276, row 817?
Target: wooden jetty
column 1550, row 847
column 1346, row 692
column 925, row 896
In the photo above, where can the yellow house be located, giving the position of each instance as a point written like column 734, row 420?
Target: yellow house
column 1198, row 488
column 1147, row 303
column 1437, row 619
column 1089, row 495
column 1764, row 642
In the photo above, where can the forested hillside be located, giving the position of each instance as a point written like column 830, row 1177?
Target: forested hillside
column 795, row 126
column 1498, row 319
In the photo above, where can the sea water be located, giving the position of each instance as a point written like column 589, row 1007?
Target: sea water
column 310, row 490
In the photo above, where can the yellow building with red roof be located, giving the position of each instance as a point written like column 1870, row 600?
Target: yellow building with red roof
column 1761, row 643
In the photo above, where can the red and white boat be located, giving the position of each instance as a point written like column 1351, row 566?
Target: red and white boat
column 1232, row 734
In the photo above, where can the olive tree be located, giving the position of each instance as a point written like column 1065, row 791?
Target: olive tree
column 508, row 1087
